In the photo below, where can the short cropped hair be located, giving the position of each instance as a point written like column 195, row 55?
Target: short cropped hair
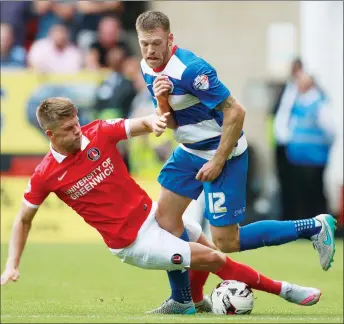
column 52, row 110
column 151, row 19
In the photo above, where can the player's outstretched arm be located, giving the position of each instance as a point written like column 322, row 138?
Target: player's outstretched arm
column 148, row 124
column 20, row 231
column 233, row 121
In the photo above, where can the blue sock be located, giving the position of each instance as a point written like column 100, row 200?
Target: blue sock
column 180, row 281
column 268, row 233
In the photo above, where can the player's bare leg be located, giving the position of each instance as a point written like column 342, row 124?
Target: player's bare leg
column 226, row 238
column 171, row 208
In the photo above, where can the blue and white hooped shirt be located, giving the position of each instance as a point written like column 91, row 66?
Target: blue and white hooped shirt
column 196, row 92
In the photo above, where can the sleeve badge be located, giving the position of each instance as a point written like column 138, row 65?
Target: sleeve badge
column 201, row 82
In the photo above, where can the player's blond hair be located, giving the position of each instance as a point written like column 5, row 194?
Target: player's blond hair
column 52, row 110
column 152, row 19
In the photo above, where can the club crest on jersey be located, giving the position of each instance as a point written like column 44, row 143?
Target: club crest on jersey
column 93, row 154
column 177, row 259
column 201, row 82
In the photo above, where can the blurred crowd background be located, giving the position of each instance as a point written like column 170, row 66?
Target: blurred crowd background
column 283, row 60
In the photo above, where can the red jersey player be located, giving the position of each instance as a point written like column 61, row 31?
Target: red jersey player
column 85, row 170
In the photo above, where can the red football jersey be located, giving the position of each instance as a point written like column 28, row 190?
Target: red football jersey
column 95, row 183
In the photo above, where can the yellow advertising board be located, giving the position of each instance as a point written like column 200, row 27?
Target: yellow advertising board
column 18, row 89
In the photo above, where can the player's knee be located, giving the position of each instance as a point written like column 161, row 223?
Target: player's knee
column 226, row 246
column 216, row 259
column 227, row 243
column 212, row 260
column 170, row 222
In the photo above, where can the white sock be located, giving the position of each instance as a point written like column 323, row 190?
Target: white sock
column 317, row 224
column 284, row 289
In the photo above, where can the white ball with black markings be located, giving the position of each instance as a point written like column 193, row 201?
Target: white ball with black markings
column 231, row 297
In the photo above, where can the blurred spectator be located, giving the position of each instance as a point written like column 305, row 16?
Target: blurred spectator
column 55, row 54
column 281, row 113
column 52, row 12
column 132, row 70
column 281, row 129
column 132, row 9
column 109, row 37
column 115, row 95
column 12, row 56
column 142, row 104
column 309, row 140
column 88, row 16
column 16, row 14
column 81, row 94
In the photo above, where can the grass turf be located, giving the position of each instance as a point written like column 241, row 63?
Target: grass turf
column 84, row 283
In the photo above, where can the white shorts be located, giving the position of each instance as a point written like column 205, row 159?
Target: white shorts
column 157, row 249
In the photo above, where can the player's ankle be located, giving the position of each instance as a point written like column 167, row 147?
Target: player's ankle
column 198, row 301
column 318, row 225
column 197, row 295
column 284, row 288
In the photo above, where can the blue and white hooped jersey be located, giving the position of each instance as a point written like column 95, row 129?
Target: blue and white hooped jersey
column 196, row 92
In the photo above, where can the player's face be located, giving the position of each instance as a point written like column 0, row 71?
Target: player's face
column 156, row 46
column 66, row 136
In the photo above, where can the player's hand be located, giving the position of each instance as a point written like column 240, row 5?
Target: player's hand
column 10, row 274
column 159, row 124
column 162, row 87
column 210, row 171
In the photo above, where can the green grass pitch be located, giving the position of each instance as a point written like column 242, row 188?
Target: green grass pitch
column 85, row 283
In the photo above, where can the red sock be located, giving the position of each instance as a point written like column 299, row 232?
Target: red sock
column 237, row 271
column 197, row 282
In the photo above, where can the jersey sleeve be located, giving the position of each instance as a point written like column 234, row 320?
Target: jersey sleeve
column 155, row 103
column 150, row 89
column 35, row 192
column 115, row 129
column 200, row 79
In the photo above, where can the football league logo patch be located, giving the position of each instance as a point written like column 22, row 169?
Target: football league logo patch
column 93, row 154
column 177, row 259
column 201, row 82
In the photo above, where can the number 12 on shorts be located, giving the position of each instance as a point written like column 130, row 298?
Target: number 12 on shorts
column 216, row 201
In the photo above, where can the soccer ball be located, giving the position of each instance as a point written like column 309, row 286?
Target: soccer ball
column 231, row 297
